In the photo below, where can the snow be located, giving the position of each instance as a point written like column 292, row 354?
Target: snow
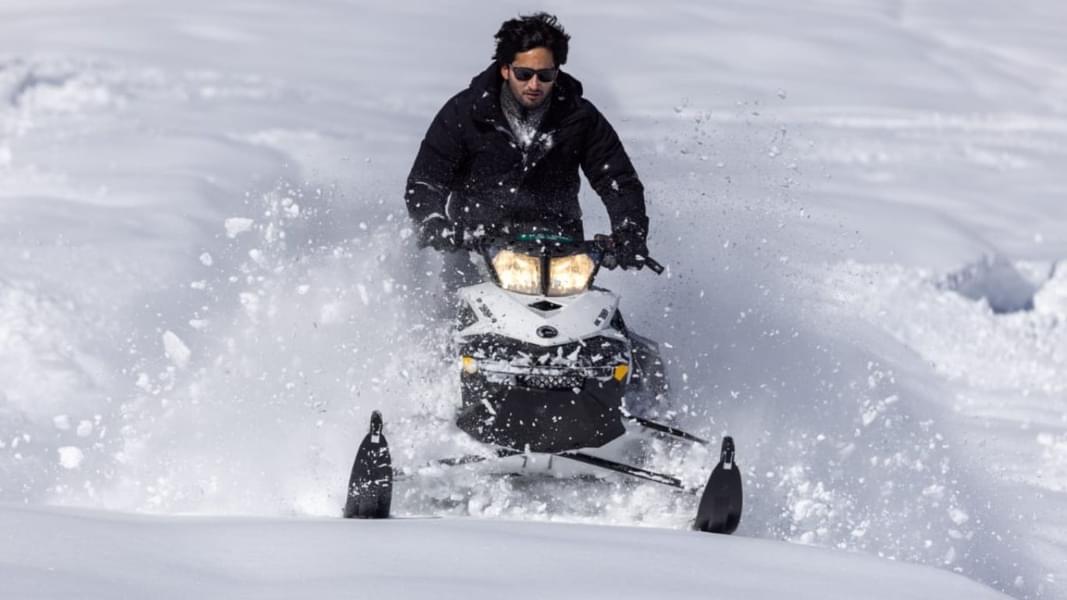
column 70, row 457
column 118, row 555
column 175, row 349
column 861, row 206
column 85, row 429
column 235, row 226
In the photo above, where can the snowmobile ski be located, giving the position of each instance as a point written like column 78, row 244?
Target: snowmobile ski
column 370, row 487
column 720, row 505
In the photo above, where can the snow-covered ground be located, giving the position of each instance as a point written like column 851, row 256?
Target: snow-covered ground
column 207, row 278
column 83, row 554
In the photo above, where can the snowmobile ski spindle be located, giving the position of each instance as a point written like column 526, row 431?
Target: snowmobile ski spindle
column 370, row 487
column 720, row 504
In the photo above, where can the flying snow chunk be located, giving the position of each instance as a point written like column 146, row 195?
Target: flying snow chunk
column 85, row 429
column 176, row 350
column 61, row 422
column 958, row 516
column 206, row 259
column 70, row 457
column 235, row 226
column 250, row 302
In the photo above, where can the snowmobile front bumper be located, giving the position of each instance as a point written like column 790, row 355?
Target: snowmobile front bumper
column 541, row 420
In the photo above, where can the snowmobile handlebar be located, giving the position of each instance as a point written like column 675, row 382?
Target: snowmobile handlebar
column 656, row 267
column 605, row 244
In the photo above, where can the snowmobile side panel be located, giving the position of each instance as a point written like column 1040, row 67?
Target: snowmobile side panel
column 720, row 505
column 370, row 486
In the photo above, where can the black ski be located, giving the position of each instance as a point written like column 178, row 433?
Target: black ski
column 370, row 487
column 720, row 505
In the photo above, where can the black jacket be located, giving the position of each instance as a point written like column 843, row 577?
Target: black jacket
column 471, row 169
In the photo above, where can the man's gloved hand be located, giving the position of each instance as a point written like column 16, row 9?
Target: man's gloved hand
column 438, row 233
column 629, row 246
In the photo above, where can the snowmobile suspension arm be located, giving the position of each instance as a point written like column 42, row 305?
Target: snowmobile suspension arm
column 581, row 457
column 625, row 469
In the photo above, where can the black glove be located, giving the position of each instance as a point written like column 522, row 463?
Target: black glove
column 438, row 233
column 629, row 246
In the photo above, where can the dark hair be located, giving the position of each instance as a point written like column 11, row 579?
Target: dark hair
column 539, row 30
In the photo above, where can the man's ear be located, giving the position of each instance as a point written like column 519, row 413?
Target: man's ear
column 504, row 71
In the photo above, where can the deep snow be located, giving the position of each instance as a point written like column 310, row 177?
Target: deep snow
column 208, row 279
column 65, row 553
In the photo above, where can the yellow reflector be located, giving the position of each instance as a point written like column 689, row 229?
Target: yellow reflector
column 621, row 371
column 469, row 364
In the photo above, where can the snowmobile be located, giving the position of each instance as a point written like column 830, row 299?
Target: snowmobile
column 549, row 372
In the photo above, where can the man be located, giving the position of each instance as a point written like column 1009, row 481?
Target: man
column 503, row 155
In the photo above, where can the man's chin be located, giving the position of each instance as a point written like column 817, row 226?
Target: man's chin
column 529, row 102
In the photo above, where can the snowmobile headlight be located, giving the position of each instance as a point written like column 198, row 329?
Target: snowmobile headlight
column 518, row 272
column 569, row 275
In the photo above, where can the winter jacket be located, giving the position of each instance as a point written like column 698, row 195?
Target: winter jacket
column 471, row 168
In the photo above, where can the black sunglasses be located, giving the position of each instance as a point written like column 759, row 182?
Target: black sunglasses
column 543, row 75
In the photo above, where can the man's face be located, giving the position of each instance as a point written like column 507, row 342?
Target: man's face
column 532, row 92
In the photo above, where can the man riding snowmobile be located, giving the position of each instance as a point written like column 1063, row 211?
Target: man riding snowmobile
column 549, row 368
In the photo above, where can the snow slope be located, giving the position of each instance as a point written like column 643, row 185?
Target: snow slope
column 208, row 278
column 108, row 555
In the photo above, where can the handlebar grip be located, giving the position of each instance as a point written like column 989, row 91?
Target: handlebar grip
column 651, row 263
